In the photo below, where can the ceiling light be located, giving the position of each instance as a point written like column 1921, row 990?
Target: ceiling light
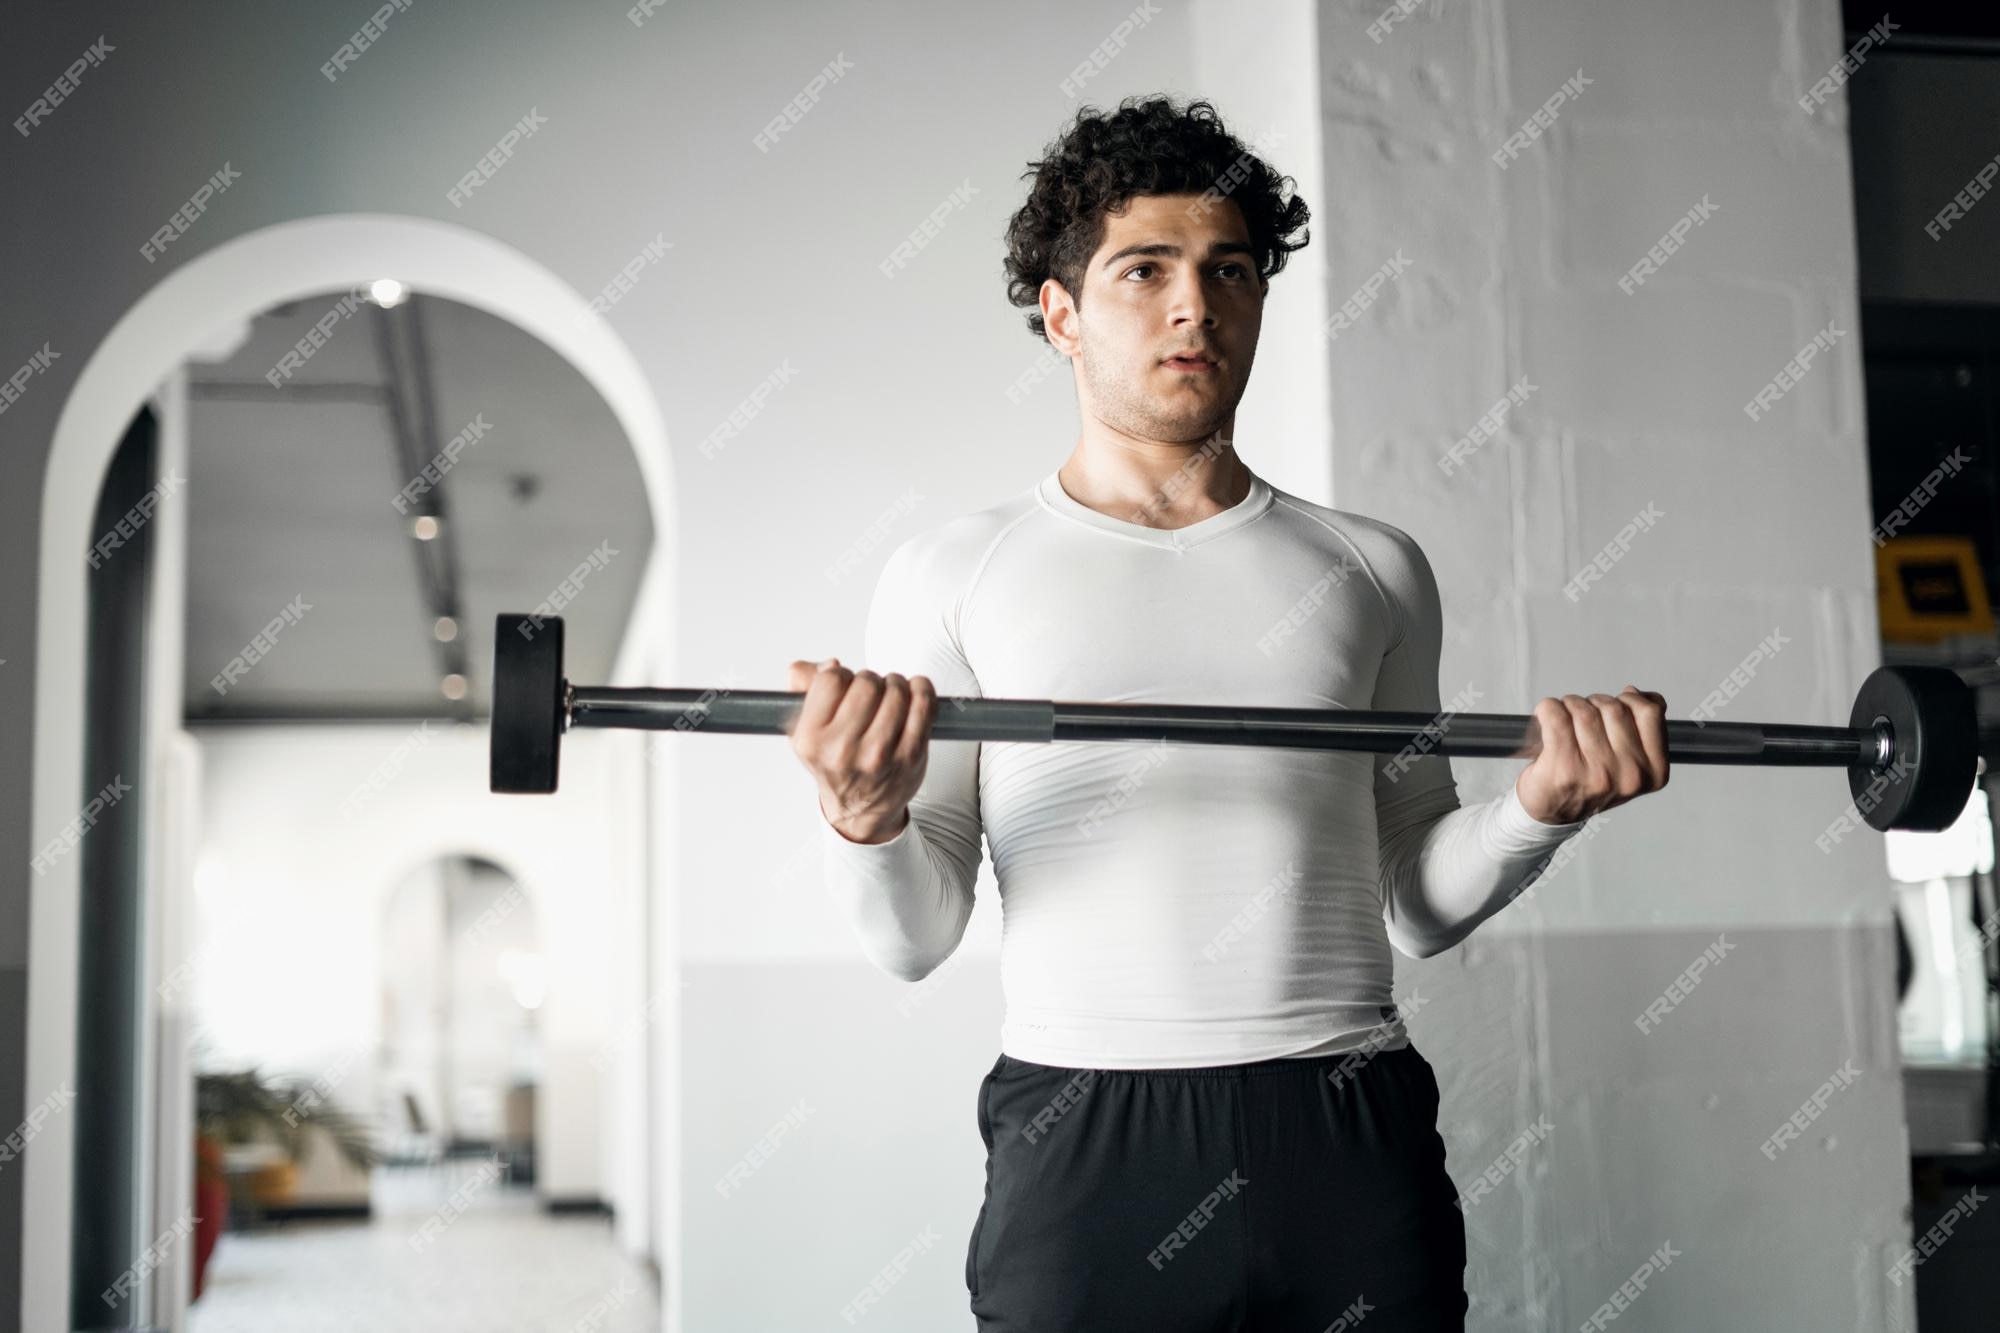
column 424, row 528
column 446, row 629
column 387, row 292
column 454, row 687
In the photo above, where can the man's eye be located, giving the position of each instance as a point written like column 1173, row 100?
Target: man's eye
column 1232, row 269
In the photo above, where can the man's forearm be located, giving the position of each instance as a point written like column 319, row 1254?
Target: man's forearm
column 905, row 902
column 1442, row 877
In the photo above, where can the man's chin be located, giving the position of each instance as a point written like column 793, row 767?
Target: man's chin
column 1186, row 432
column 1191, row 425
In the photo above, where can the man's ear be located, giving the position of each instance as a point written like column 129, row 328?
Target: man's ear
column 1058, row 314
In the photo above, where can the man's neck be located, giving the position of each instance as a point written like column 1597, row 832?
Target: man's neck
column 1159, row 486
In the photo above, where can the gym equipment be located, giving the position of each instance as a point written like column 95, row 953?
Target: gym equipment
column 1932, row 755
column 1910, row 747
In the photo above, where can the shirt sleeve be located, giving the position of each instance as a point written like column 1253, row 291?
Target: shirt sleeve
column 1444, row 867
column 908, row 899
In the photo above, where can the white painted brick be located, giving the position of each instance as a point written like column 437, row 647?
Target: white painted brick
column 1479, row 640
column 1407, row 373
column 1651, row 61
column 1620, row 187
column 1731, row 513
column 1502, row 503
column 1765, row 525
column 1544, row 493
column 1850, row 641
column 1430, row 75
column 1754, row 859
column 1683, row 360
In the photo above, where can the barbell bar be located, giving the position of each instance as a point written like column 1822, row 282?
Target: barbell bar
column 1910, row 748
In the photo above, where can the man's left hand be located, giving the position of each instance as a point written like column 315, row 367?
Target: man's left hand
column 1596, row 752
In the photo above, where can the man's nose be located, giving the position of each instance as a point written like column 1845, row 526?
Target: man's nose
column 1193, row 313
column 1190, row 301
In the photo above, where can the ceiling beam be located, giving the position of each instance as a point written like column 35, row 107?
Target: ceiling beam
column 414, row 439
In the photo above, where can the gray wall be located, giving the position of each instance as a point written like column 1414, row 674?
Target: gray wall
column 901, row 384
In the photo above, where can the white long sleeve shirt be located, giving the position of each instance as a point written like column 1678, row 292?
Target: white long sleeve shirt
column 1170, row 905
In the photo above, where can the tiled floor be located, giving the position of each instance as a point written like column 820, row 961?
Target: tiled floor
column 495, row 1263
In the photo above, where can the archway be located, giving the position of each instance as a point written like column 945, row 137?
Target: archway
column 228, row 284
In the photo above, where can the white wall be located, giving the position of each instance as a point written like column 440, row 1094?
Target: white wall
column 287, row 962
column 1639, row 399
column 901, row 383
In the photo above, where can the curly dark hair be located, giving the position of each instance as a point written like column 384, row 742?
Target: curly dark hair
column 1149, row 146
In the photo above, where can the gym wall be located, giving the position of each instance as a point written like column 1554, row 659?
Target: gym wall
column 1641, row 1136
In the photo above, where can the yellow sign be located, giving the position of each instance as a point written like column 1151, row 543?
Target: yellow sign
column 1930, row 589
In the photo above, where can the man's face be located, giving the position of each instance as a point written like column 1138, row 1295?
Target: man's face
column 1173, row 275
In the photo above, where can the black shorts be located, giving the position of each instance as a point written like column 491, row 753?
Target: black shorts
column 1284, row 1196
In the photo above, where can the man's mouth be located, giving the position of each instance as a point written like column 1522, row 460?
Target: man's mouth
column 1193, row 364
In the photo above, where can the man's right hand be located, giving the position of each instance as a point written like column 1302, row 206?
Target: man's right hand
column 866, row 740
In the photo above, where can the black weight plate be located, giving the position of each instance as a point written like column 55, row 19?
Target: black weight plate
column 526, row 725
column 1929, row 779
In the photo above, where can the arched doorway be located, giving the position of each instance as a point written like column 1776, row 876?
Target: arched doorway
column 463, row 978
column 225, row 286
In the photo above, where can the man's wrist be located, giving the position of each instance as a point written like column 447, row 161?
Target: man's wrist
column 872, row 832
column 1515, row 814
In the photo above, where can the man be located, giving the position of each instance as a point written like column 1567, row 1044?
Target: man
column 1206, row 1114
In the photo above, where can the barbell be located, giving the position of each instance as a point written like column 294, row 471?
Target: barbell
column 1910, row 747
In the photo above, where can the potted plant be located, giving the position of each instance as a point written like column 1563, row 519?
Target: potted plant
column 245, row 1106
